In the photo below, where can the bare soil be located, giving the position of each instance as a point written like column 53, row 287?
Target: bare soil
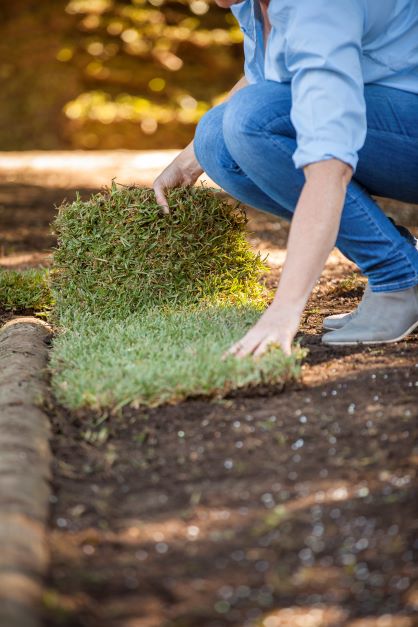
column 270, row 509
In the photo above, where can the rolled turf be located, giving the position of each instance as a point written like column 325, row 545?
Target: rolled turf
column 147, row 303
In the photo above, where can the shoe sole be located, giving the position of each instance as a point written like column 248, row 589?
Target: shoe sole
column 369, row 342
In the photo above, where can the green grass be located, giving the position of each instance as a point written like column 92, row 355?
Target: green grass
column 160, row 356
column 25, row 290
column 146, row 303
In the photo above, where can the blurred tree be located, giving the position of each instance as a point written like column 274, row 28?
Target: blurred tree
column 112, row 73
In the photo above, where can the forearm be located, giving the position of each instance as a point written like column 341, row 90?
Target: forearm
column 313, row 234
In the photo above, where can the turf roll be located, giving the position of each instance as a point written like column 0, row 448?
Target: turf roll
column 147, row 303
column 118, row 253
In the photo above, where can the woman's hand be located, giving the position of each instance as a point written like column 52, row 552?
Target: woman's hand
column 275, row 327
column 184, row 170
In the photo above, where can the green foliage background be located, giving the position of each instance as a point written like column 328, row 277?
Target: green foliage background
column 102, row 74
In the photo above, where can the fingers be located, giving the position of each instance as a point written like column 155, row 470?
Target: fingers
column 272, row 342
column 161, row 199
column 248, row 345
column 232, row 352
column 256, row 346
column 286, row 348
column 237, row 349
column 263, row 346
column 175, row 175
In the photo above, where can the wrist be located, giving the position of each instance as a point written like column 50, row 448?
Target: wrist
column 188, row 161
column 285, row 315
column 288, row 305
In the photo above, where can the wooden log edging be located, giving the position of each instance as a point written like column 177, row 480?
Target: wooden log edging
column 25, row 460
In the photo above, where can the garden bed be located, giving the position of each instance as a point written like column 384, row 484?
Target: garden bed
column 214, row 513
column 260, row 510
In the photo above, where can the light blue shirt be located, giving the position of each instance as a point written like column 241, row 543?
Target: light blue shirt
column 328, row 50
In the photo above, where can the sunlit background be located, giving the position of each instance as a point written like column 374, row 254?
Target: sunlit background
column 104, row 74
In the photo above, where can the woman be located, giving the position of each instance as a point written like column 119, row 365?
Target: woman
column 325, row 116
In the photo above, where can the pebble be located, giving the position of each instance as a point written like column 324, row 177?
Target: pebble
column 161, row 547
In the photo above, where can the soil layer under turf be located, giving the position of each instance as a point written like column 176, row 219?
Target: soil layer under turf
column 289, row 509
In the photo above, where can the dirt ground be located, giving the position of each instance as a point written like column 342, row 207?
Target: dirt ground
column 271, row 509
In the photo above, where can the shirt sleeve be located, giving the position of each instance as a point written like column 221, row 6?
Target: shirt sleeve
column 322, row 53
column 244, row 14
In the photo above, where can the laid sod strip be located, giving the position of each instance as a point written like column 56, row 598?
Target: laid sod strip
column 27, row 289
column 147, row 303
column 159, row 357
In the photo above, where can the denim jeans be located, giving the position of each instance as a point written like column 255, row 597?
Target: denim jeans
column 246, row 144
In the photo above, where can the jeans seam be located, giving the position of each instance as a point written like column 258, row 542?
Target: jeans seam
column 235, row 169
column 369, row 219
column 272, row 137
column 279, row 118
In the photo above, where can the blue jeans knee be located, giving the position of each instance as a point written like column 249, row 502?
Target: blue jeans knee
column 208, row 141
column 253, row 110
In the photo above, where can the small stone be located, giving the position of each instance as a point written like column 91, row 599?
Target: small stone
column 62, row 523
column 193, row 531
column 262, row 566
column 161, row 547
column 88, row 549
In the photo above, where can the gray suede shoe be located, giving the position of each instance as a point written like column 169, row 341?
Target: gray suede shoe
column 383, row 317
column 337, row 321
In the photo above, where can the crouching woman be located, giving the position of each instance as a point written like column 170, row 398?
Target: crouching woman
column 325, row 117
